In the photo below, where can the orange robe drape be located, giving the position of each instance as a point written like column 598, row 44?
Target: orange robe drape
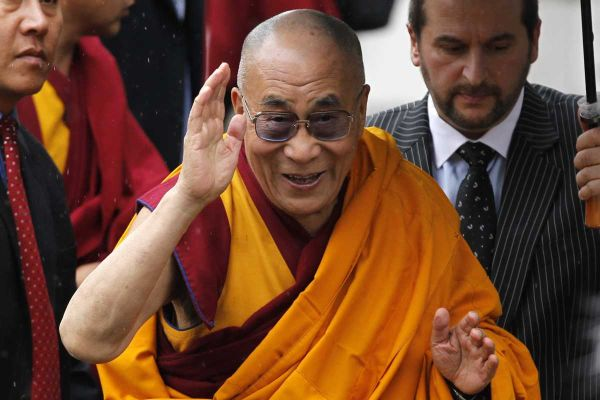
column 361, row 329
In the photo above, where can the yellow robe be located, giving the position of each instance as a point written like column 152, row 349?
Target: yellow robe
column 361, row 329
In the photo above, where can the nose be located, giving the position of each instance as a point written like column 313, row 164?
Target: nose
column 474, row 69
column 302, row 148
column 35, row 19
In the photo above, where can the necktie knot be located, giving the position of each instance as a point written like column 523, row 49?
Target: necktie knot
column 476, row 154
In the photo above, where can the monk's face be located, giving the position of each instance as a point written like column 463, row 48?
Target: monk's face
column 474, row 56
column 303, row 175
column 95, row 17
column 29, row 32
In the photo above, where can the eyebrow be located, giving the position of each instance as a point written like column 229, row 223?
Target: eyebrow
column 502, row 36
column 447, row 39
column 451, row 40
column 273, row 101
column 328, row 101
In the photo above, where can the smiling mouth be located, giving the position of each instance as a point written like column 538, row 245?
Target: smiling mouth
column 33, row 54
column 303, row 180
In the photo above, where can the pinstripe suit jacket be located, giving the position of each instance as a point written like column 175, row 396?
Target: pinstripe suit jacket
column 546, row 261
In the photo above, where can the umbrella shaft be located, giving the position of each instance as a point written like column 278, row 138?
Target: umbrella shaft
column 588, row 51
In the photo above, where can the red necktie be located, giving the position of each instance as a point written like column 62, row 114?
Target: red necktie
column 45, row 376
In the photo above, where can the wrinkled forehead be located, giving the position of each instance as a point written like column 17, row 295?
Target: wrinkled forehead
column 291, row 66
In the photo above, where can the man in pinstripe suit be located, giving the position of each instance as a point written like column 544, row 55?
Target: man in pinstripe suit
column 474, row 56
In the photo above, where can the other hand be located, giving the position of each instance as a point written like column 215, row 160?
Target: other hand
column 463, row 354
column 587, row 161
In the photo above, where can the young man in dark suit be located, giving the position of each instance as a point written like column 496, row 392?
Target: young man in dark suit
column 505, row 153
column 37, row 249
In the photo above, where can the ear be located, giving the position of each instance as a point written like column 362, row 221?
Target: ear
column 236, row 101
column 361, row 115
column 415, row 56
column 535, row 42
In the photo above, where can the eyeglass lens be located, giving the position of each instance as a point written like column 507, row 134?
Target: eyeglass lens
column 327, row 125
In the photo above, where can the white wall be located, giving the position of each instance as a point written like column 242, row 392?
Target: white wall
column 394, row 80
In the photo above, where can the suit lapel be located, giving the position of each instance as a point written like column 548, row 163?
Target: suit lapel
column 413, row 136
column 6, row 215
column 529, row 187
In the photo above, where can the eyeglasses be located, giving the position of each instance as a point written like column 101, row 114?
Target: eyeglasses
column 275, row 126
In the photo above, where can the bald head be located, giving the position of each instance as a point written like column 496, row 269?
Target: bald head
column 310, row 25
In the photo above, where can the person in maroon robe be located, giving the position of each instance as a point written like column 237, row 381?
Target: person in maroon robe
column 109, row 161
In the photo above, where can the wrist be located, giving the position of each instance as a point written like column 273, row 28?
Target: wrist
column 188, row 206
column 457, row 394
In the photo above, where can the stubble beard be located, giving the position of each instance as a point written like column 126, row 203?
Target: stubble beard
column 470, row 126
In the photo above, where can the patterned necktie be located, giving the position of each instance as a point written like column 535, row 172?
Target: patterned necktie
column 475, row 203
column 45, row 375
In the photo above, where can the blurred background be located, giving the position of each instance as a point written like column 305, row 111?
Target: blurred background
column 181, row 41
column 394, row 80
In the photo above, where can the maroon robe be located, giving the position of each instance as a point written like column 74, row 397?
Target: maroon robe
column 202, row 257
column 110, row 160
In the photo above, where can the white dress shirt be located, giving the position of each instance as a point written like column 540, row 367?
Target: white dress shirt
column 450, row 169
column 179, row 8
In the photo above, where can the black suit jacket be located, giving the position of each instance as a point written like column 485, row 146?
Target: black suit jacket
column 546, row 262
column 152, row 50
column 45, row 194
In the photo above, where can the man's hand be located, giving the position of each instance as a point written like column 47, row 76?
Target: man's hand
column 587, row 161
column 209, row 158
column 463, row 354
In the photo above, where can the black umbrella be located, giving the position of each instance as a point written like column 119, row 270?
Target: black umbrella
column 588, row 52
column 590, row 111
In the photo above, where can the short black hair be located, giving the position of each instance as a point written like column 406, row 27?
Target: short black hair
column 417, row 18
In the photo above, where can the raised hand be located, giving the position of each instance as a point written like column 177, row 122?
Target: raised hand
column 209, row 157
column 463, row 354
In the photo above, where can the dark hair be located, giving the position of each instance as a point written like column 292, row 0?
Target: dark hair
column 416, row 16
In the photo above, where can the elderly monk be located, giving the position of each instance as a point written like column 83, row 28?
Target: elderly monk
column 298, row 256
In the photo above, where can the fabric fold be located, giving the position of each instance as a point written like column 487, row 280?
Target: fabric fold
column 361, row 328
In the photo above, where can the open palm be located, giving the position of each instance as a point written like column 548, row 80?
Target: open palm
column 209, row 157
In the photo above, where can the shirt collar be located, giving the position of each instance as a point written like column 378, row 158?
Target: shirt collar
column 446, row 139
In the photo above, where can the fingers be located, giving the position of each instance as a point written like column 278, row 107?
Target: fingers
column 473, row 339
column 587, row 161
column 588, row 139
column 223, row 83
column 468, row 323
column 587, row 157
column 479, row 345
column 441, row 327
column 588, row 180
column 217, row 81
column 477, row 336
column 213, row 90
column 490, row 366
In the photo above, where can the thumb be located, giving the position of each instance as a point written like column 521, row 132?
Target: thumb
column 237, row 127
column 440, row 331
